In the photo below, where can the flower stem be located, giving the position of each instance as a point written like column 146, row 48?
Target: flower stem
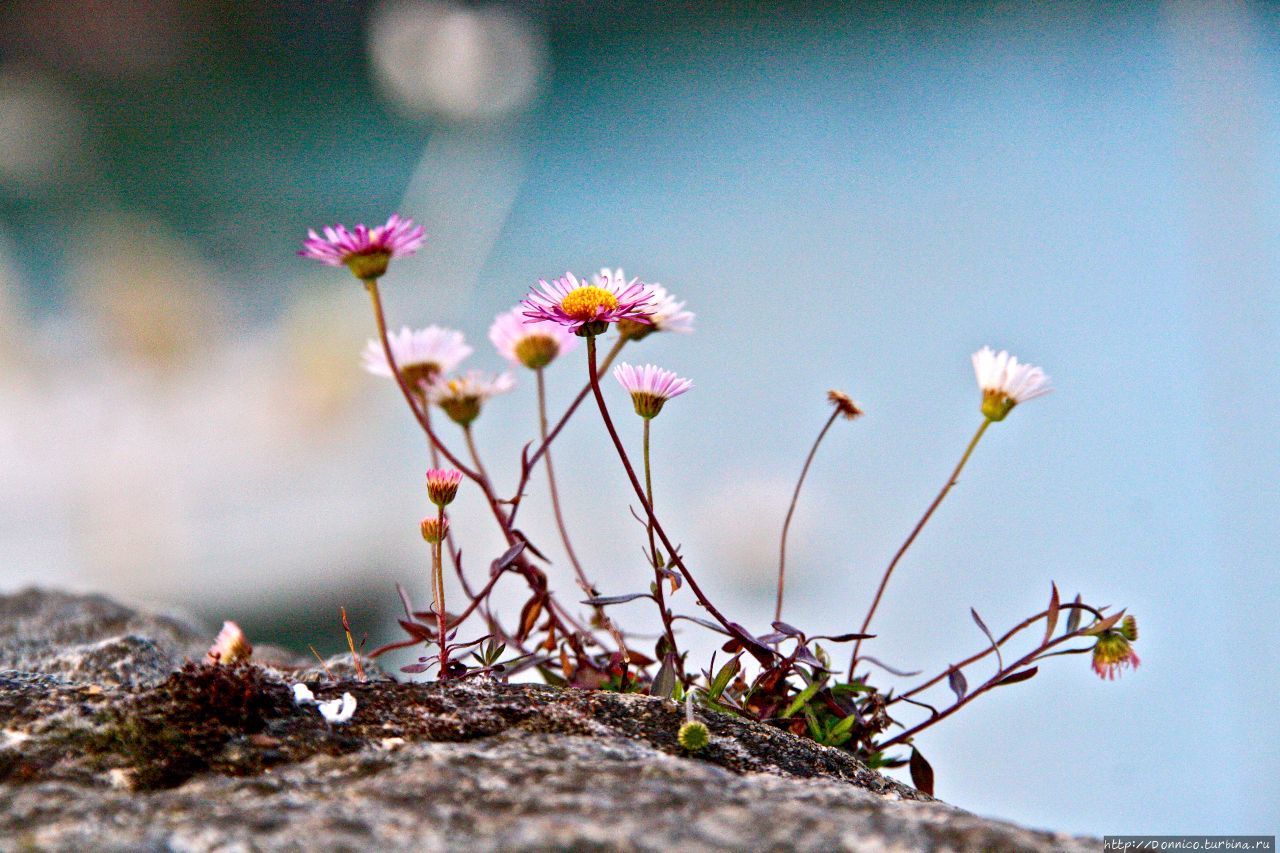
column 658, row 593
column 586, row 585
column 888, row 572
column 644, row 501
column 437, row 581
column 786, row 525
column 475, row 454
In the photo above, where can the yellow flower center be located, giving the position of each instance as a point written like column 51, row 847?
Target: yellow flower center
column 584, row 303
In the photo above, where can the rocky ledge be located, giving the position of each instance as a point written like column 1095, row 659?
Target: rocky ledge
column 110, row 741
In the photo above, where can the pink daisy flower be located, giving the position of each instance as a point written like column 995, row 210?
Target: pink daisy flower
column 442, row 485
column 587, row 309
column 421, row 354
column 533, row 343
column 1112, row 654
column 650, row 387
column 365, row 251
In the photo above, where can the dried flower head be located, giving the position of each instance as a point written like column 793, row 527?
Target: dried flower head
column 435, row 528
column 442, row 485
column 588, row 309
column 1005, row 382
column 230, row 646
column 422, row 355
column 650, row 387
column 337, row 711
column 1112, row 653
column 532, row 343
column 694, row 735
column 844, row 404
column 365, row 251
column 462, row 396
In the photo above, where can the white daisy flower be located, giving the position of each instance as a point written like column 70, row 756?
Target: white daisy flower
column 422, row 355
column 664, row 311
column 1005, row 382
column 462, row 396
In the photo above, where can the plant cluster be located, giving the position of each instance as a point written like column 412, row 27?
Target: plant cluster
column 785, row 677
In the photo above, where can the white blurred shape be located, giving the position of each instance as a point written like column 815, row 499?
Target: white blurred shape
column 41, row 130
column 460, row 62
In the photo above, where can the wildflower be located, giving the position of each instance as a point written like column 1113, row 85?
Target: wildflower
column 461, row 396
column 1113, row 652
column 650, row 387
column 533, row 343
column 365, row 251
column 422, row 355
column 1005, row 382
column 1129, row 627
column 844, row 404
column 435, row 528
column 442, row 485
column 666, row 314
column 588, row 309
column 230, row 646
column 337, row 710
column 302, row 695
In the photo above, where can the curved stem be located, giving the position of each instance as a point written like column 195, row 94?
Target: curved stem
column 884, row 581
column 974, row 658
column 644, row 501
column 791, row 510
column 659, row 596
column 577, row 401
column 586, row 585
column 475, row 454
column 992, row 682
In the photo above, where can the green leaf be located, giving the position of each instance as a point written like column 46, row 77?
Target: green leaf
column 722, row 679
column 802, row 699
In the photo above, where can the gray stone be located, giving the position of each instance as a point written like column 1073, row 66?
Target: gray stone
column 220, row 758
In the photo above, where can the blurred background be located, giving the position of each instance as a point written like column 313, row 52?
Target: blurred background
column 849, row 196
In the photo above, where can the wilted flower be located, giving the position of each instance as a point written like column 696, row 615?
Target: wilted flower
column 588, row 309
column 665, row 312
column 422, row 355
column 461, row 396
column 1005, row 382
column 365, row 251
column 844, row 404
column 1113, row 652
column 435, row 528
column 230, row 646
column 533, row 343
column 338, row 710
column 650, row 387
column 442, row 485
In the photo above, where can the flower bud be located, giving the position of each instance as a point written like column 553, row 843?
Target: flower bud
column 694, row 735
column 435, row 529
column 442, row 485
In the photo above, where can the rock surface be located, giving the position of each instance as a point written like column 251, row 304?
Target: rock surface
column 104, row 746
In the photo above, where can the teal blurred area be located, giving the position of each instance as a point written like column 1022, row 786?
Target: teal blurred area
column 852, row 196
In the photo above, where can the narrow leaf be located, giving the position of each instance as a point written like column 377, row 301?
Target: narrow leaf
column 1073, row 621
column 889, row 669
column 921, row 772
column 1018, row 676
column 959, row 684
column 789, row 630
column 1051, row 618
column 664, row 683
column 758, row 650
column 802, row 699
column 987, row 631
column 846, row 638
column 723, row 677
column 604, row 600
column 705, row 623
column 504, row 562
column 1104, row 624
